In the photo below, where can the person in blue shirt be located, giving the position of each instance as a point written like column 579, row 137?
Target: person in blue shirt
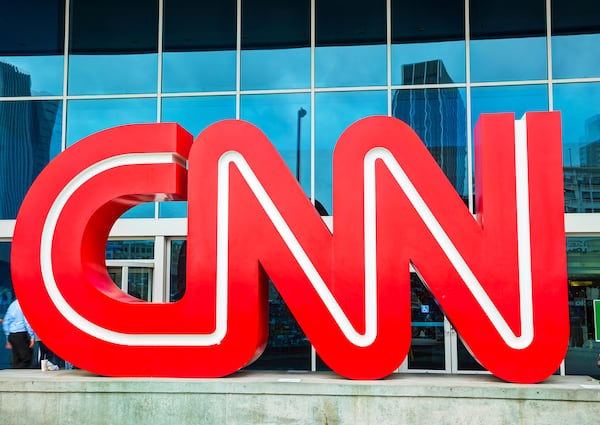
column 19, row 335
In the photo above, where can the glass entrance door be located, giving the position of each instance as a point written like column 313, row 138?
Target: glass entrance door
column 435, row 345
column 429, row 340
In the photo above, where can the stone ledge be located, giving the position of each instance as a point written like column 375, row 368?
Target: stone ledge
column 78, row 397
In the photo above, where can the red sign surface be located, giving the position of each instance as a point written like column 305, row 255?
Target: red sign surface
column 499, row 276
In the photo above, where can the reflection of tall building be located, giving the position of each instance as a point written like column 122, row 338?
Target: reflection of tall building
column 589, row 153
column 437, row 115
column 582, row 184
column 26, row 129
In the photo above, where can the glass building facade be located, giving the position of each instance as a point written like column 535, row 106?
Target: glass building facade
column 303, row 71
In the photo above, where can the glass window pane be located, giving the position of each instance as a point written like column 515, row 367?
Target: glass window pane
column 194, row 114
column 515, row 99
column 30, row 135
column 439, row 117
column 139, row 282
column 287, row 346
column 503, row 31
column 32, row 41
column 7, row 294
column 197, row 113
column 113, row 74
column 350, row 22
column 177, row 272
column 31, row 75
column 199, row 46
column 113, row 47
column 130, row 250
column 576, row 56
column 276, row 69
column 464, row 358
column 575, row 38
column 583, row 265
column 116, row 275
column 506, row 19
column 350, row 40
column 367, row 65
column 275, row 44
column 198, row 71
column 494, row 60
column 452, row 54
column 580, row 112
column 285, row 119
column 427, row 349
column 89, row 116
column 334, row 113
column 85, row 117
column 421, row 36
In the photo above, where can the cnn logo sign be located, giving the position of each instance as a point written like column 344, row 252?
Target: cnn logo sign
column 500, row 277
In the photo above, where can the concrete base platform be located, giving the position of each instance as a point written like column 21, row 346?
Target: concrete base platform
column 77, row 397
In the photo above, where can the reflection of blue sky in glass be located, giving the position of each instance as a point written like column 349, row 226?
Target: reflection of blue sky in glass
column 577, row 103
column 276, row 69
column 194, row 114
column 508, row 59
column 516, row 99
column 198, row 71
column 576, row 56
column 113, row 74
column 277, row 116
column 351, row 66
column 89, row 116
column 334, row 113
column 451, row 53
column 46, row 72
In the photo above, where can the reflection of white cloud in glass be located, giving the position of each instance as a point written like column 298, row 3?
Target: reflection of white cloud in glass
column 198, row 71
column 113, row 74
column 508, row 59
column 451, row 53
column 46, row 72
column 276, row 69
column 351, row 65
column 576, row 56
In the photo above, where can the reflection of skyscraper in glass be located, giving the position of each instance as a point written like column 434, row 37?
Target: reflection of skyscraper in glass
column 589, row 154
column 437, row 115
column 582, row 183
column 26, row 129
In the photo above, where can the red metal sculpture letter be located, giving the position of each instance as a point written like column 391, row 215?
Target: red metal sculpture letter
column 500, row 277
